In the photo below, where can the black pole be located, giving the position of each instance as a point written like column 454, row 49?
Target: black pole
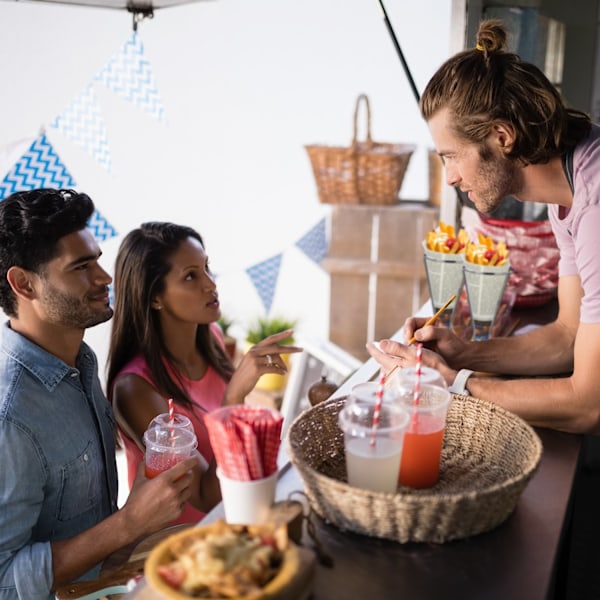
column 462, row 198
column 390, row 29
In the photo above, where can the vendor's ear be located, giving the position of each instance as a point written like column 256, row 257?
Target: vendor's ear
column 504, row 135
column 156, row 304
column 21, row 282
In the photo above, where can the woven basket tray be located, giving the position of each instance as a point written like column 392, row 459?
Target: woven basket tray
column 489, row 455
column 366, row 172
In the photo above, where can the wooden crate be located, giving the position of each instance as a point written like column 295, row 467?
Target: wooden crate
column 377, row 276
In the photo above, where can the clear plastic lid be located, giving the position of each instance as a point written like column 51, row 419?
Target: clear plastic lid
column 429, row 376
column 179, row 420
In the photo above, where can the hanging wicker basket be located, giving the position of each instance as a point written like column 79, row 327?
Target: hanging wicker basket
column 367, row 172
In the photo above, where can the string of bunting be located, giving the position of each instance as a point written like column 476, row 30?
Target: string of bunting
column 264, row 275
column 128, row 74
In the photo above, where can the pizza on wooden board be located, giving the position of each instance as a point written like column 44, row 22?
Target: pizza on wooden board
column 221, row 561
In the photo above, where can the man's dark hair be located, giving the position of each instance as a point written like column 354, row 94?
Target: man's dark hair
column 31, row 224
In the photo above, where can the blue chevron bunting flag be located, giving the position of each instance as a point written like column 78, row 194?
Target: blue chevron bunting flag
column 40, row 166
column 81, row 122
column 101, row 229
column 264, row 276
column 314, row 243
column 129, row 75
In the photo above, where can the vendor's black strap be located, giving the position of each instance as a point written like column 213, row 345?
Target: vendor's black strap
column 567, row 162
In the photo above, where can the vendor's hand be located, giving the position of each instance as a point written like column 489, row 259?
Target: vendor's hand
column 154, row 503
column 390, row 354
column 441, row 340
column 264, row 357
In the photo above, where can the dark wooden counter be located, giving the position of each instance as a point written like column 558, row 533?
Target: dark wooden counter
column 523, row 558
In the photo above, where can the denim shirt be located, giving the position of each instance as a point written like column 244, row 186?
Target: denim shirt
column 58, row 475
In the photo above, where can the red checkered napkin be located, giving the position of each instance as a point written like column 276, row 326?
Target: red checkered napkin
column 245, row 440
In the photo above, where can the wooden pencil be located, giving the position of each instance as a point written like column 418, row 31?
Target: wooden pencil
column 435, row 317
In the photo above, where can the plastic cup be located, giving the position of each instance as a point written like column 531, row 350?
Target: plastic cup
column 485, row 287
column 373, row 453
column 179, row 420
column 444, row 278
column 421, row 455
column 165, row 447
column 247, row 502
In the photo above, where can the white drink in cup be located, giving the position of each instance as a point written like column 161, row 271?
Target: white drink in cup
column 373, row 452
column 373, row 467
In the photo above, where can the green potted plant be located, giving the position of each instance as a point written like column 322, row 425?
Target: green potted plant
column 260, row 329
column 229, row 341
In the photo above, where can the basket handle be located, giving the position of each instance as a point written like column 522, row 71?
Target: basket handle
column 362, row 98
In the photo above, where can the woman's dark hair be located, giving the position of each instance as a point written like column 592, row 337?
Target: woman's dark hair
column 488, row 84
column 143, row 262
column 31, row 224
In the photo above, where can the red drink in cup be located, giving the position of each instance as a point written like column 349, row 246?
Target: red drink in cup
column 165, row 447
column 421, row 453
column 160, row 464
column 420, row 463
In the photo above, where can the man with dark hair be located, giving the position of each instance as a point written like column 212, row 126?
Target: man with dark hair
column 503, row 129
column 58, row 477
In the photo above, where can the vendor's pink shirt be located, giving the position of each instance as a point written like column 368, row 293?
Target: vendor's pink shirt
column 206, row 394
column 577, row 230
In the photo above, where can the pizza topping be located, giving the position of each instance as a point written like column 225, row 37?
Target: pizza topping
column 230, row 561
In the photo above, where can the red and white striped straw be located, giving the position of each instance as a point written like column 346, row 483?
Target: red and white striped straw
column 417, row 390
column 414, row 422
column 171, row 418
column 377, row 409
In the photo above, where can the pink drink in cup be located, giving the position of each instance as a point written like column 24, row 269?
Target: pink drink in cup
column 165, row 447
column 420, row 464
column 421, row 453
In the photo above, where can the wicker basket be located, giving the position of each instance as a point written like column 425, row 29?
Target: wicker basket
column 489, row 455
column 365, row 173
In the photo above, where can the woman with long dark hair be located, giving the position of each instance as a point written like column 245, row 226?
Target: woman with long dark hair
column 166, row 343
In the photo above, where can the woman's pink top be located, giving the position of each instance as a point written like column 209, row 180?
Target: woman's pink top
column 206, row 393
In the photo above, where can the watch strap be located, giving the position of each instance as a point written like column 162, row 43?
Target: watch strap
column 459, row 385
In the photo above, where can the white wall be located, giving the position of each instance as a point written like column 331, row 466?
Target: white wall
column 245, row 84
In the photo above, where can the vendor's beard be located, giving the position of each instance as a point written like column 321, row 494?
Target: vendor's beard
column 498, row 177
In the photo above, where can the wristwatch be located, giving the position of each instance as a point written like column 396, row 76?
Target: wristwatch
column 459, row 385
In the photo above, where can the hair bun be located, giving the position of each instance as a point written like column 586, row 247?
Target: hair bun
column 491, row 36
